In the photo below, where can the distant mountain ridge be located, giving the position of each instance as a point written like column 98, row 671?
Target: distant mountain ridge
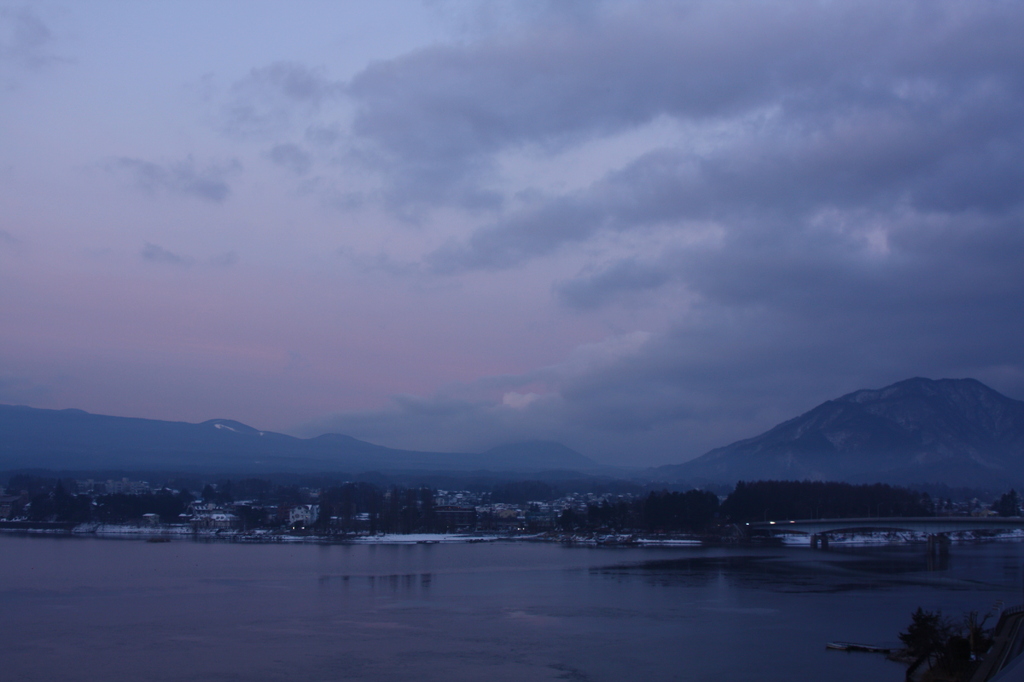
column 954, row 431
column 535, row 453
column 76, row 440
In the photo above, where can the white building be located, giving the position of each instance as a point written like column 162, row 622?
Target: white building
column 303, row 515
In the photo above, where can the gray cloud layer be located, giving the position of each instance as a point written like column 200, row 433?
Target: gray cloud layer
column 829, row 78
column 290, row 156
column 158, row 254
column 25, row 39
column 265, row 101
column 845, row 210
column 179, row 177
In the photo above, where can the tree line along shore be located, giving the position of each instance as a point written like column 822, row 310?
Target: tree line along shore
column 260, row 507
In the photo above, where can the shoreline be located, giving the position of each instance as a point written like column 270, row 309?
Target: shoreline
column 165, row 533
column 263, row 536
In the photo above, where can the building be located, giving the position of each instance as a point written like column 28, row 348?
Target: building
column 451, row 517
column 303, row 515
column 216, row 520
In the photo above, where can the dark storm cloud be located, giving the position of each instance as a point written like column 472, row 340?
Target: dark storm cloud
column 439, row 115
column 621, row 278
column 446, row 110
column 661, row 186
column 787, row 331
column 970, row 160
column 777, row 329
column 180, row 177
column 842, row 209
column 158, row 254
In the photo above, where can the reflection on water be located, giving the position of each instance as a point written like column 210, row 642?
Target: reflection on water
column 863, row 569
column 83, row 609
column 408, row 582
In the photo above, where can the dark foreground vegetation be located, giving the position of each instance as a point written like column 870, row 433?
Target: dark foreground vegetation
column 941, row 648
column 763, row 500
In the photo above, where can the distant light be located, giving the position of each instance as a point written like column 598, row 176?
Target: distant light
column 792, row 521
column 771, row 523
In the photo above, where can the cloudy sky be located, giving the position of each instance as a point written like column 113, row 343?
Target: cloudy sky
column 643, row 229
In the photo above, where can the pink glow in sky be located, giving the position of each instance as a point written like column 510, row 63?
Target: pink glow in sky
column 641, row 229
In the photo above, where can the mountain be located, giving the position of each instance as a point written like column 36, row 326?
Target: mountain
column 537, row 455
column 954, row 431
column 77, row 440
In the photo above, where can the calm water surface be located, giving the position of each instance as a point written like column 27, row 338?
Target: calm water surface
column 118, row 610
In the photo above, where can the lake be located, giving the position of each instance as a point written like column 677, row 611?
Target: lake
column 118, row 610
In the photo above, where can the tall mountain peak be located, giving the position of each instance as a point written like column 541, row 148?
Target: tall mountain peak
column 954, row 431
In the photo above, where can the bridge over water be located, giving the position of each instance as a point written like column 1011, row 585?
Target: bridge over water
column 938, row 528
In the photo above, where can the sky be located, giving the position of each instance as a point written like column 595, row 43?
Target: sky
column 642, row 229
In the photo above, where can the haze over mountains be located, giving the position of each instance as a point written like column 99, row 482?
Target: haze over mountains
column 953, row 431
column 77, row 440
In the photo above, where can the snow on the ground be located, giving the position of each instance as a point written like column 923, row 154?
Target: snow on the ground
column 121, row 529
column 668, row 543
column 420, row 538
column 894, row 538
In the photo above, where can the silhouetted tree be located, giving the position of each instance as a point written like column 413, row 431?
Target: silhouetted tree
column 521, row 492
column 927, row 633
column 946, row 646
column 693, row 510
column 1008, row 504
column 569, row 519
column 758, row 500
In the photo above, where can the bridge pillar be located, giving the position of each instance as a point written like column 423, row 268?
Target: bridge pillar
column 819, row 540
column 938, row 543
